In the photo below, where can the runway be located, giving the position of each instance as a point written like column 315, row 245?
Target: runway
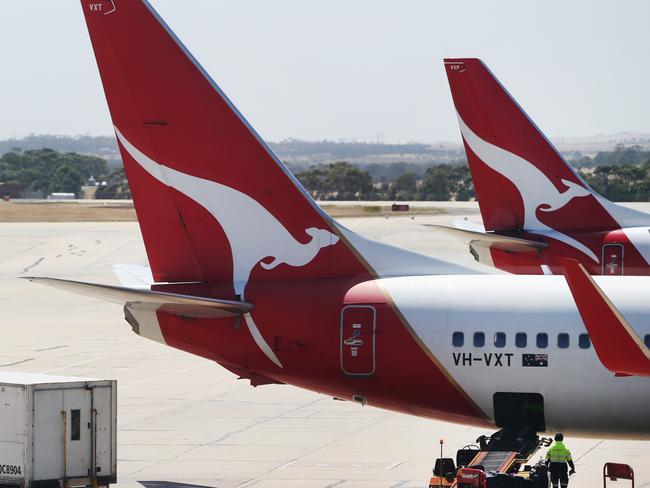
column 185, row 420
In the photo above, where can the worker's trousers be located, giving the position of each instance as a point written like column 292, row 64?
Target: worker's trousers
column 559, row 475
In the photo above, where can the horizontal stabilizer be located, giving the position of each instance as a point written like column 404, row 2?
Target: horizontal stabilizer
column 493, row 241
column 618, row 346
column 133, row 275
column 172, row 303
column 468, row 225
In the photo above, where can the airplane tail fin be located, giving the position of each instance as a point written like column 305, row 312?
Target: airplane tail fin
column 213, row 202
column 521, row 180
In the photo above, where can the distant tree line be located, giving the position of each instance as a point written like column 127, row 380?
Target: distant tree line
column 622, row 183
column 620, row 155
column 101, row 146
column 343, row 181
column 48, row 171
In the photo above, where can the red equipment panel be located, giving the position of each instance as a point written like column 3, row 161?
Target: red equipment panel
column 471, row 478
column 616, row 471
column 358, row 340
column 613, row 259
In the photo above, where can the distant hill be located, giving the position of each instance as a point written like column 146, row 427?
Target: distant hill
column 591, row 145
column 300, row 155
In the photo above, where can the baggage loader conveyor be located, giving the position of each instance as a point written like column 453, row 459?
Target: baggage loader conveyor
column 498, row 461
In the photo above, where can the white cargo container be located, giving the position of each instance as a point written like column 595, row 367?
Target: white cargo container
column 57, row 431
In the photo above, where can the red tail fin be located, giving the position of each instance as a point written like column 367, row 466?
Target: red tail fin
column 214, row 204
column 521, row 180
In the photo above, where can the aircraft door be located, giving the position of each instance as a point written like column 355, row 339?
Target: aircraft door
column 613, row 259
column 519, row 410
column 358, row 340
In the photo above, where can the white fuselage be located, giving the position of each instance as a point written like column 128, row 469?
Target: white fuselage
column 580, row 395
column 640, row 238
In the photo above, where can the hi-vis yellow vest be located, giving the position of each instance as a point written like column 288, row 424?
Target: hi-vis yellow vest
column 558, row 453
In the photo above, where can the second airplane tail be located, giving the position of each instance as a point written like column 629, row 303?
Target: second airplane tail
column 521, row 181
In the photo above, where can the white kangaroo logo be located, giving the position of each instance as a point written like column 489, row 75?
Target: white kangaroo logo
column 253, row 233
column 536, row 190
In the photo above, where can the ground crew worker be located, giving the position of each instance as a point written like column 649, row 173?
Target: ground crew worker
column 558, row 456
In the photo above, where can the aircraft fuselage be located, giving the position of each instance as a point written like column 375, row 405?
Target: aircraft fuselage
column 395, row 343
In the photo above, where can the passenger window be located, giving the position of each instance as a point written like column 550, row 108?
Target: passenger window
column 646, row 339
column 479, row 339
column 563, row 340
column 583, row 341
column 542, row 340
column 500, row 339
column 520, row 339
column 458, row 339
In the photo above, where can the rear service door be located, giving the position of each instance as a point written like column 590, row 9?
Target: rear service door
column 48, row 434
column 613, row 259
column 358, row 340
column 76, row 405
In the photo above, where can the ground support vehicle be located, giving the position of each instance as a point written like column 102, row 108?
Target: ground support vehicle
column 57, row 431
column 502, row 460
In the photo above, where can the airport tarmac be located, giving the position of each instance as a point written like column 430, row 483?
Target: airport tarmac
column 183, row 420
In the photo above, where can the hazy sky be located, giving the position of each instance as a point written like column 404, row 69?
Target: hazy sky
column 349, row 69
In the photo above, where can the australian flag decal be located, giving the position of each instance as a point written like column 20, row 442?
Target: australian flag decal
column 535, row 360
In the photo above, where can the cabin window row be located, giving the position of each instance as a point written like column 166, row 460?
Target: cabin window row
column 541, row 340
